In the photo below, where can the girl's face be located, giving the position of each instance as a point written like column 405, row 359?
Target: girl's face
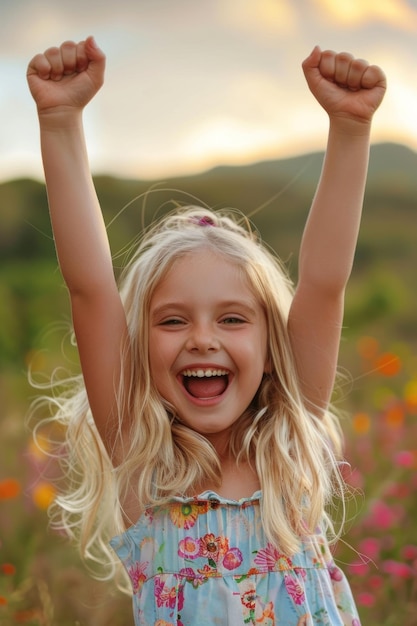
column 208, row 342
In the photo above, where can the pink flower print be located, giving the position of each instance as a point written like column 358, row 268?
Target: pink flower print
column 300, row 571
column 165, row 595
column 294, row 589
column 335, row 573
column 191, row 577
column 189, row 548
column 272, row 559
column 232, row 559
column 213, row 548
column 137, row 575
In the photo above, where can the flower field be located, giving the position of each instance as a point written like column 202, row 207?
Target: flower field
column 42, row 583
column 381, row 446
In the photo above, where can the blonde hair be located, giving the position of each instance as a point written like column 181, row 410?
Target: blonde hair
column 295, row 453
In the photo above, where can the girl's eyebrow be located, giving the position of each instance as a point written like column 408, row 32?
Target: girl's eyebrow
column 248, row 306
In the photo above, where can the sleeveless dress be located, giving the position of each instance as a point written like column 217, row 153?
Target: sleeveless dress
column 205, row 561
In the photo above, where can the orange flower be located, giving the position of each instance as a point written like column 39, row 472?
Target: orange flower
column 268, row 615
column 361, row 423
column 184, row 514
column 43, row 495
column 3, row 601
column 394, row 416
column 23, row 617
column 8, row 569
column 367, row 347
column 410, row 394
column 9, row 488
column 388, row 364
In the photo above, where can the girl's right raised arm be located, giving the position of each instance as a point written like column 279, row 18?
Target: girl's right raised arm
column 62, row 81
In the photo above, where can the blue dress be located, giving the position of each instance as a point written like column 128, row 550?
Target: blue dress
column 206, row 561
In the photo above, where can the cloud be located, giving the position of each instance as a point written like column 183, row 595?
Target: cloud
column 353, row 13
column 263, row 17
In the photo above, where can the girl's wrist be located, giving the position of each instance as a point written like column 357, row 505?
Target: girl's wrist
column 66, row 118
column 350, row 127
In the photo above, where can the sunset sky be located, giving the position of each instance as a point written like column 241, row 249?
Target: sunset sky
column 195, row 83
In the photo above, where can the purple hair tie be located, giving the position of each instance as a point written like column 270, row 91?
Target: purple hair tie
column 206, row 220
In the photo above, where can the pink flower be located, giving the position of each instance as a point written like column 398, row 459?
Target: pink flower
column 404, row 458
column 137, row 574
column 382, row 516
column 232, row 559
column 366, row 599
column 294, row 589
column 409, row 552
column 370, row 547
column 272, row 559
column 375, row 582
column 165, row 595
column 356, row 479
column 397, row 569
column 398, row 490
column 189, row 548
column 358, row 569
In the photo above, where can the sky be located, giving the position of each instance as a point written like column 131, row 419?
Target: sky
column 191, row 84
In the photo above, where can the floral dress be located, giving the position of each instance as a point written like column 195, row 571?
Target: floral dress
column 206, row 561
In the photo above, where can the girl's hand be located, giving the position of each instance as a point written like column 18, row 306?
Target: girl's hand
column 348, row 89
column 64, row 79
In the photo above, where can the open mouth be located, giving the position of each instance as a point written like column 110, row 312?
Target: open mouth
column 205, row 383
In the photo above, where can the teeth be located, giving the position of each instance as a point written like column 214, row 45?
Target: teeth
column 200, row 373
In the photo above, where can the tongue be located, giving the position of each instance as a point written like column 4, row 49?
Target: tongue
column 206, row 387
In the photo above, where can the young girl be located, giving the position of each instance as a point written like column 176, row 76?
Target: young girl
column 200, row 433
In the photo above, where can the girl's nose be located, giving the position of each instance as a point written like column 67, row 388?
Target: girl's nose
column 202, row 339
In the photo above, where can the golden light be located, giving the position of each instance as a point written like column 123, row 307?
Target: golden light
column 355, row 12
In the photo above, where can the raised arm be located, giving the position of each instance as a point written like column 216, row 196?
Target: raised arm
column 62, row 81
column 350, row 90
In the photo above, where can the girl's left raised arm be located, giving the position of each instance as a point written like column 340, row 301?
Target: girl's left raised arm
column 350, row 90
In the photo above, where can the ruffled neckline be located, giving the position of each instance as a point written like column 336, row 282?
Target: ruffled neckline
column 212, row 496
column 214, row 500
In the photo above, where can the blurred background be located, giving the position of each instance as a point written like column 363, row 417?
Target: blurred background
column 206, row 99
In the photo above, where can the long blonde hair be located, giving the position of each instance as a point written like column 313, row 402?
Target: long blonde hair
column 295, row 453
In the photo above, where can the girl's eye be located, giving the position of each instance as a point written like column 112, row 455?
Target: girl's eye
column 231, row 321
column 171, row 322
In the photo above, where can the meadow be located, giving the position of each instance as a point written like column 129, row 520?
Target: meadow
column 42, row 581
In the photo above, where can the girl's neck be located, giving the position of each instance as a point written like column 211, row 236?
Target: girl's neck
column 238, row 481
